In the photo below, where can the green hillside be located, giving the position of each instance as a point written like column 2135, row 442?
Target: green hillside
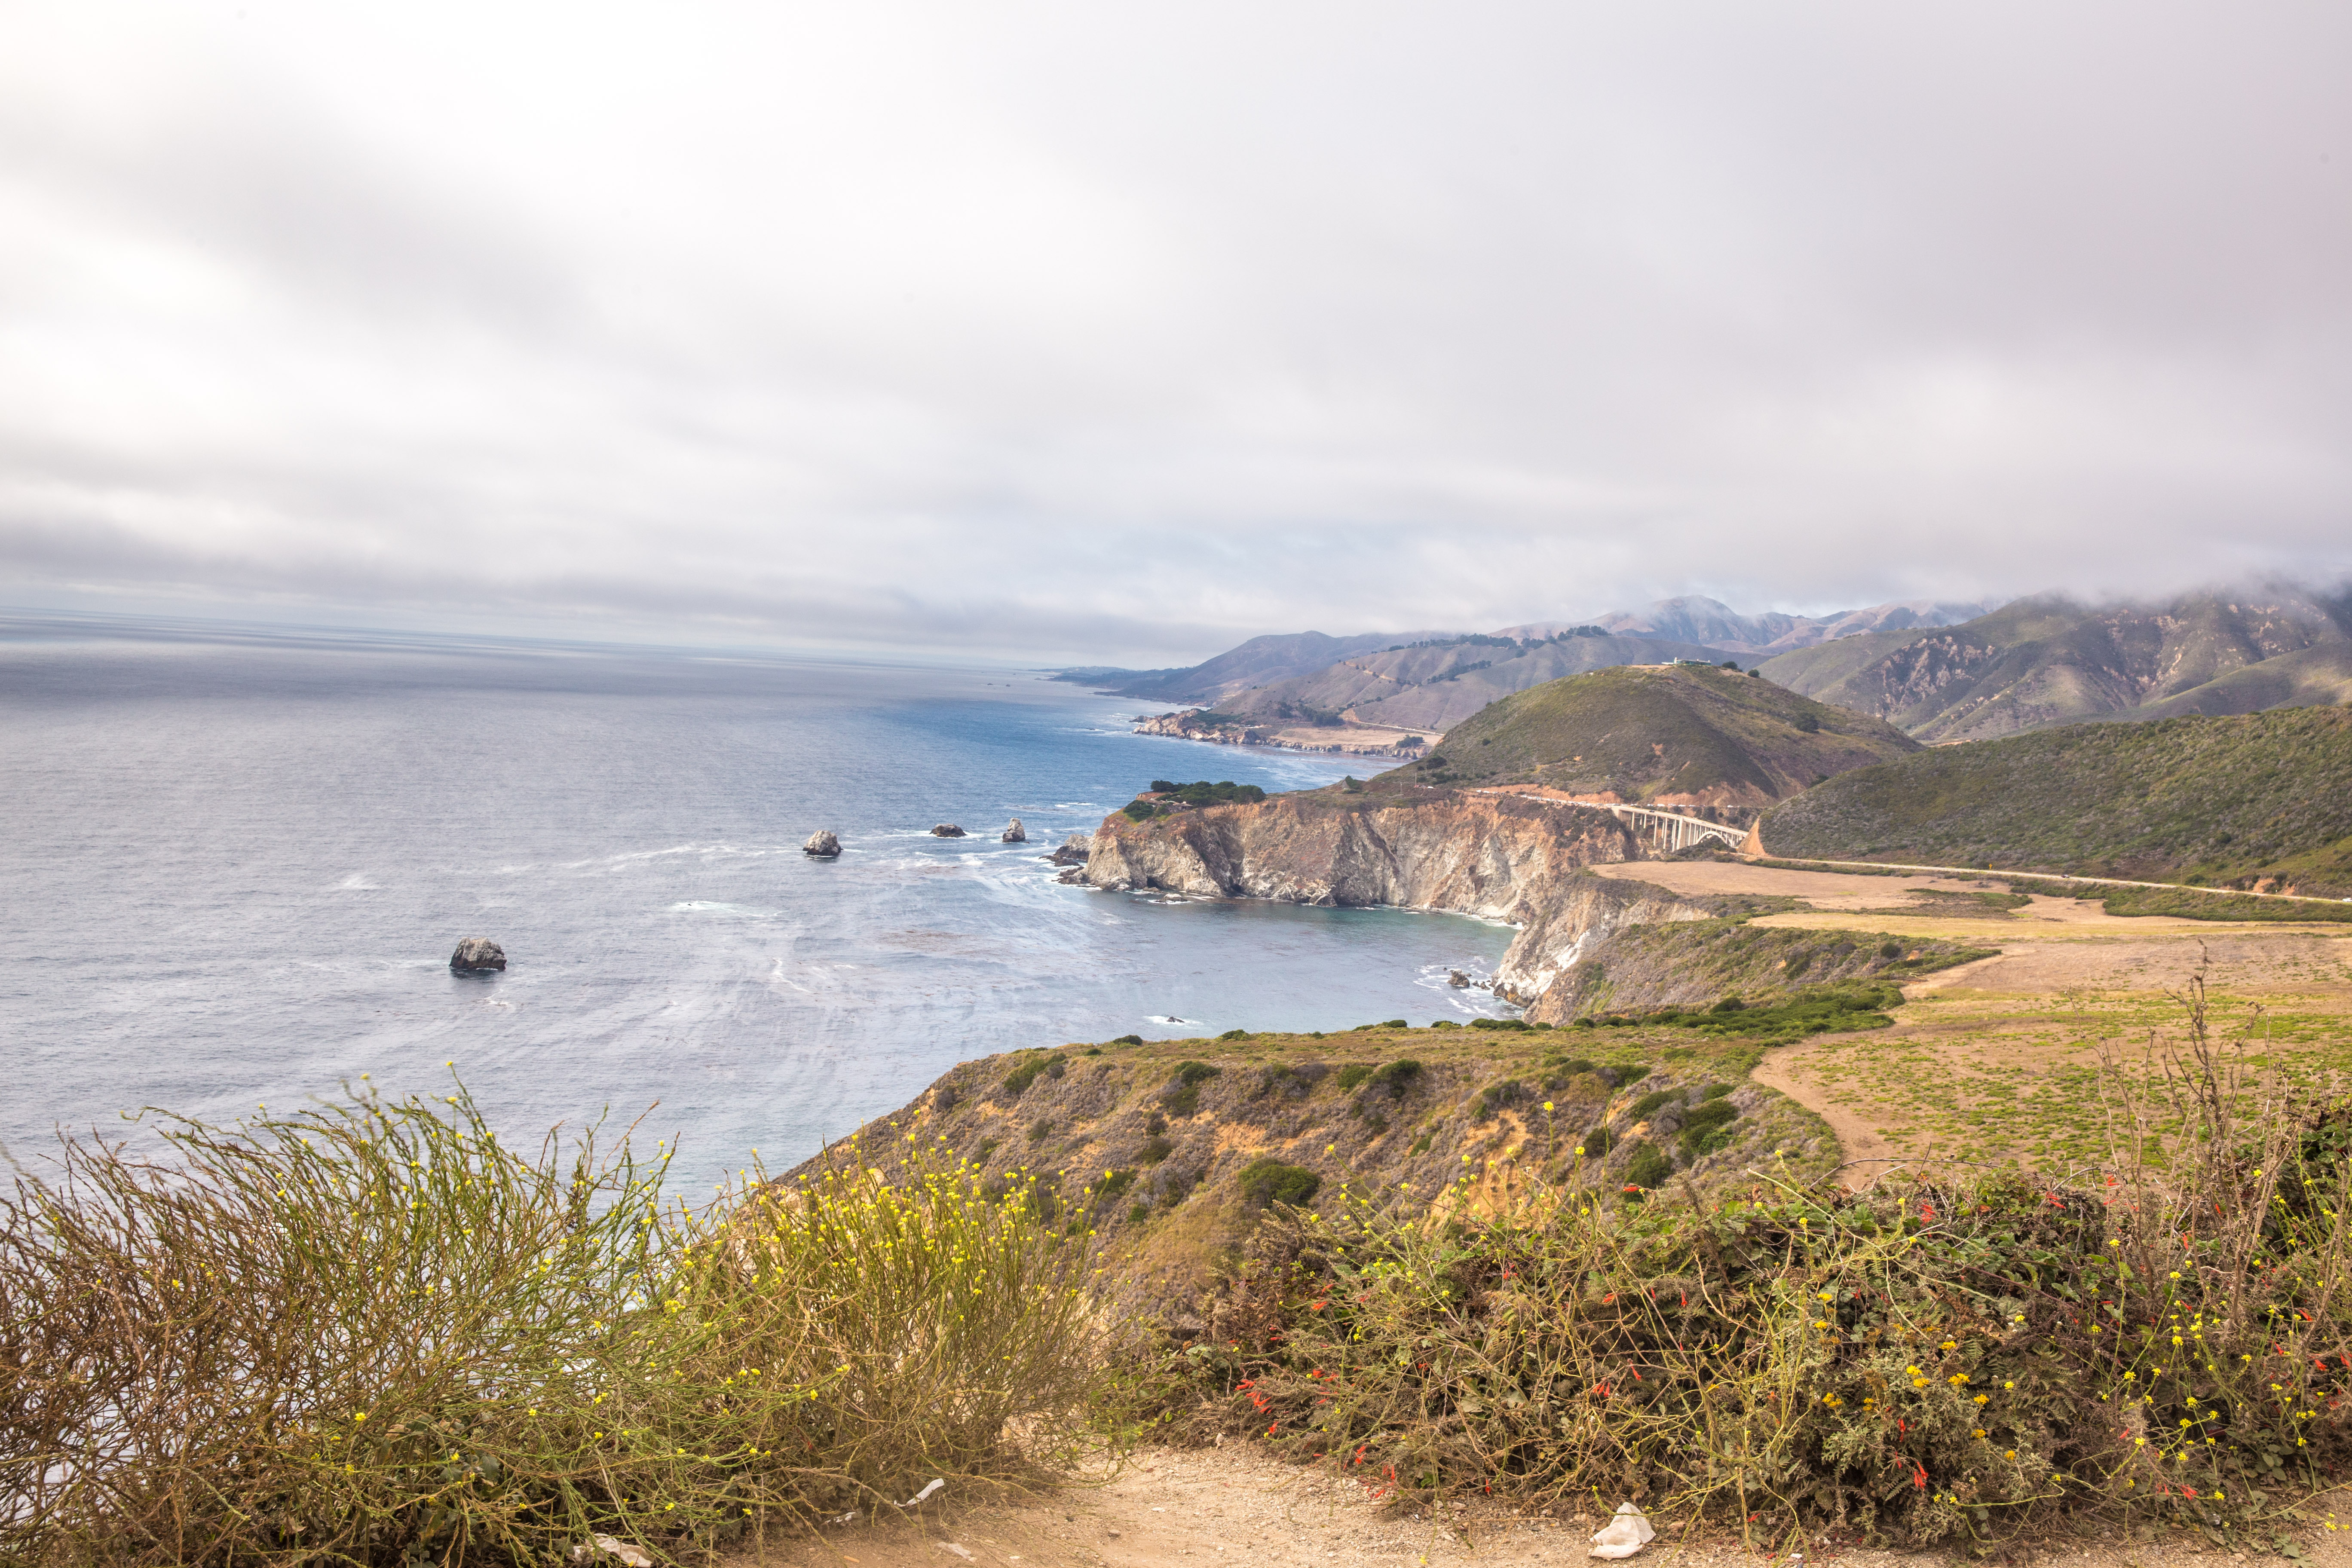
column 2207, row 801
column 2047, row 661
column 1678, row 732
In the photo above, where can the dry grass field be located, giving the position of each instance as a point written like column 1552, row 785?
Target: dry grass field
column 2000, row 1060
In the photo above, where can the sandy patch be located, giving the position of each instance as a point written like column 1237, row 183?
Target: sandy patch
column 1203, row 1506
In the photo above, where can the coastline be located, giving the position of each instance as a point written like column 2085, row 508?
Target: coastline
column 1345, row 740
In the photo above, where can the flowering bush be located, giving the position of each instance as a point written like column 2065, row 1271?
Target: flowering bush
column 375, row 1334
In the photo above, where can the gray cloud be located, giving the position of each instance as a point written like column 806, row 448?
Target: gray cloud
column 1073, row 333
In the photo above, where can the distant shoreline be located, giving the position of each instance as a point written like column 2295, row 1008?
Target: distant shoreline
column 1384, row 741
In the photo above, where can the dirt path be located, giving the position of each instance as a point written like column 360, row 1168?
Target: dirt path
column 1201, row 1507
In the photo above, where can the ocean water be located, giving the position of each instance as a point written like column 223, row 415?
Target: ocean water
column 235, row 863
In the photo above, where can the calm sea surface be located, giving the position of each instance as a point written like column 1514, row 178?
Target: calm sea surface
column 235, row 865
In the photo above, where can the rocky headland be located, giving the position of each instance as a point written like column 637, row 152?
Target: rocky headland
column 1497, row 856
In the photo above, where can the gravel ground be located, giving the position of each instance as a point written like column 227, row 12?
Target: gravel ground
column 1201, row 1507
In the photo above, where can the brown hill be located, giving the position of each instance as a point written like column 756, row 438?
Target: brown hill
column 1678, row 734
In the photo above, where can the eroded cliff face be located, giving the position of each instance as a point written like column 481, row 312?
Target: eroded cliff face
column 1498, row 856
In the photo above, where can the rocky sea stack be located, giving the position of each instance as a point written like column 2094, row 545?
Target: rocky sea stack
column 947, row 830
column 476, row 954
column 821, row 845
column 1016, row 833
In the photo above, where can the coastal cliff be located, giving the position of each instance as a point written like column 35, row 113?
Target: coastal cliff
column 1498, row 856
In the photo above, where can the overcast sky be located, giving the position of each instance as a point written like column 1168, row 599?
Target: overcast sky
column 1123, row 332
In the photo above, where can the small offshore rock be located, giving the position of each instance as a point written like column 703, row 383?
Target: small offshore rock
column 1455, row 977
column 478, row 953
column 1074, row 850
column 1016, row 833
column 947, row 830
column 822, row 845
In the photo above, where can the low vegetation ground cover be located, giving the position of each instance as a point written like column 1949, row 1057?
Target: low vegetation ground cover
column 1992, row 1076
column 1694, row 965
column 2261, row 797
column 1167, row 796
column 1926, row 1362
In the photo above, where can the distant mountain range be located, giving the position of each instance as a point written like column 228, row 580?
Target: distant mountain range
column 2049, row 660
column 1939, row 670
column 1432, row 681
column 1716, row 625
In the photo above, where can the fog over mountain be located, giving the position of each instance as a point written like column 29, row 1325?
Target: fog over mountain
column 1080, row 333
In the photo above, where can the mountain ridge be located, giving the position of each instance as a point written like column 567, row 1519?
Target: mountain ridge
column 2049, row 660
column 1689, row 627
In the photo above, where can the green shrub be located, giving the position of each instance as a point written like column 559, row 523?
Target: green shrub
column 1154, row 1150
column 1129, row 1041
column 375, row 1333
column 1640, row 1109
column 1234, row 1035
column 1921, row 1364
column 1203, row 792
column 1497, row 1096
column 1704, row 1128
column 1820, row 1009
column 1353, row 1074
column 1598, row 1142
column 1498, row 1022
column 1649, row 1166
column 1017, row 1081
column 1269, row 1181
column 1395, row 1024
column 1182, row 1095
column 1397, row 1076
